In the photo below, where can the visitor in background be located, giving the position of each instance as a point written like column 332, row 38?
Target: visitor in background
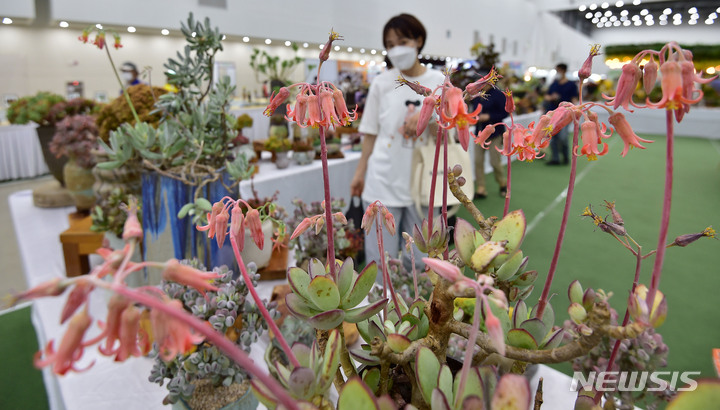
column 383, row 171
column 560, row 90
column 493, row 111
column 129, row 74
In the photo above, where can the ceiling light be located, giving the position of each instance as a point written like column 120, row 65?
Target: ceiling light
column 619, row 4
column 626, row 23
column 713, row 16
column 98, row 25
column 588, row 15
column 582, row 7
column 383, row 64
column 605, row 5
column 649, row 17
column 649, row 22
column 695, row 16
column 637, row 22
column 349, row 49
column 593, row 6
column 717, row 9
column 598, row 14
column 636, row 2
column 710, row 70
column 644, row 12
column 692, row 22
column 321, row 46
column 663, row 22
column 667, row 11
column 165, row 32
column 677, row 16
column 603, row 19
column 246, row 39
column 624, row 13
column 64, row 24
column 288, row 43
column 194, row 34
column 305, row 45
column 268, row 41
column 709, row 21
column 384, row 53
column 608, row 13
column 595, row 20
column 362, row 62
column 613, row 18
column 7, row 20
column 663, row 17
column 608, row 24
column 677, row 22
column 373, row 51
column 362, row 51
column 224, row 37
column 131, row 29
column 448, row 59
column 337, row 48
column 600, row 25
column 372, row 63
column 692, row 10
column 635, row 17
column 623, row 18
column 616, row 23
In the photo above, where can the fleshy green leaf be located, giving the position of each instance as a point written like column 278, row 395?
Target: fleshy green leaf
column 548, row 315
column 473, row 387
column 324, row 293
column 464, row 240
column 315, row 268
column 512, row 393
column 535, row 327
column 363, row 283
column 371, row 377
column 445, row 382
column 345, row 277
column 364, row 357
column 485, row 254
column 520, row 313
column 512, row 229
column 510, row 268
column 427, row 370
column 355, row 395
column 575, row 292
column 397, row 342
column 299, row 307
column 327, row 320
column 439, row 401
column 521, row 338
column 299, row 281
column 526, row 279
column 361, row 313
column 553, row 339
column 705, row 396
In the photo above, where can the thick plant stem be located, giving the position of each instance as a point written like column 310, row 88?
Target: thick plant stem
column 431, row 200
column 263, row 311
column 563, row 224
column 665, row 221
column 626, row 319
column 507, row 188
column 345, row 360
column 127, row 96
column 216, row 338
column 328, row 205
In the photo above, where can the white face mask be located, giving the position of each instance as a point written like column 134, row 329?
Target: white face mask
column 127, row 77
column 402, row 57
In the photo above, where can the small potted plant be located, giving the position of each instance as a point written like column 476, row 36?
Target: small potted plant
column 206, row 378
column 280, row 147
column 303, row 151
column 76, row 138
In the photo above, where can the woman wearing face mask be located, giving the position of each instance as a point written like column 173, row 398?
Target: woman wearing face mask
column 390, row 115
column 129, row 74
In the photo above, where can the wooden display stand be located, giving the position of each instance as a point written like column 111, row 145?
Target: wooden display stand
column 78, row 241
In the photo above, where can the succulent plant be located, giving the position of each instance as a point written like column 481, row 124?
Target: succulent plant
column 76, row 137
column 35, row 108
column 228, row 310
column 325, row 301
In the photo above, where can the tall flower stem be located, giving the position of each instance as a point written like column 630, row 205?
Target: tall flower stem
column 127, row 96
column 665, row 221
column 431, row 200
column 626, row 319
column 507, row 187
column 261, row 306
column 563, row 224
column 446, row 253
column 216, row 338
column 469, row 349
column 328, row 205
column 386, row 275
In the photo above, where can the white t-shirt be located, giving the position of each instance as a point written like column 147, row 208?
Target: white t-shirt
column 388, row 171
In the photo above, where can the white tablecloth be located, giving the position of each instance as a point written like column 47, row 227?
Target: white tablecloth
column 20, row 152
column 109, row 385
column 302, row 181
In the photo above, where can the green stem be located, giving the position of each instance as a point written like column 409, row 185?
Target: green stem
column 127, row 96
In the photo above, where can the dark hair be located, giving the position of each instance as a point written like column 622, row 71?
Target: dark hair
column 561, row 67
column 406, row 25
column 128, row 66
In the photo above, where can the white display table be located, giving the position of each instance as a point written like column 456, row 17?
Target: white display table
column 261, row 124
column 110, row 385
column 20, row 152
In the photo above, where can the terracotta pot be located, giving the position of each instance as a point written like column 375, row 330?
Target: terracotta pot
column 79, row 182
column 55, row 165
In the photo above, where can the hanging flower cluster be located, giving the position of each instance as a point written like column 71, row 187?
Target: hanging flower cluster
column 99, row 40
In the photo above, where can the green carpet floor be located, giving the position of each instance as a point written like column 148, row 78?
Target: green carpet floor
column 691, row 276
column 21, row 384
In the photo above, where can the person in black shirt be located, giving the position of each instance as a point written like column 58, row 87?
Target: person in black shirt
column 560, row 90
column 493, row 111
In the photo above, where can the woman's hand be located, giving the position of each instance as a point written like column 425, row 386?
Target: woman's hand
column 357, row 185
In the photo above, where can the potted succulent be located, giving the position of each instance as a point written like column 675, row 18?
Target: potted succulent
column 206, row 378
column 407, row 344
column 303, row 151
column 76, row 137
column 280, row 147
column 241, row 142
column 37, row 108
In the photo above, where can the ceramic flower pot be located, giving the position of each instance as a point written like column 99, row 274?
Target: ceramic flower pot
column 303, row 157
column 247, row 401
column 282, row 159
column 55, row 165
column 79, row 182
column 251, row 253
